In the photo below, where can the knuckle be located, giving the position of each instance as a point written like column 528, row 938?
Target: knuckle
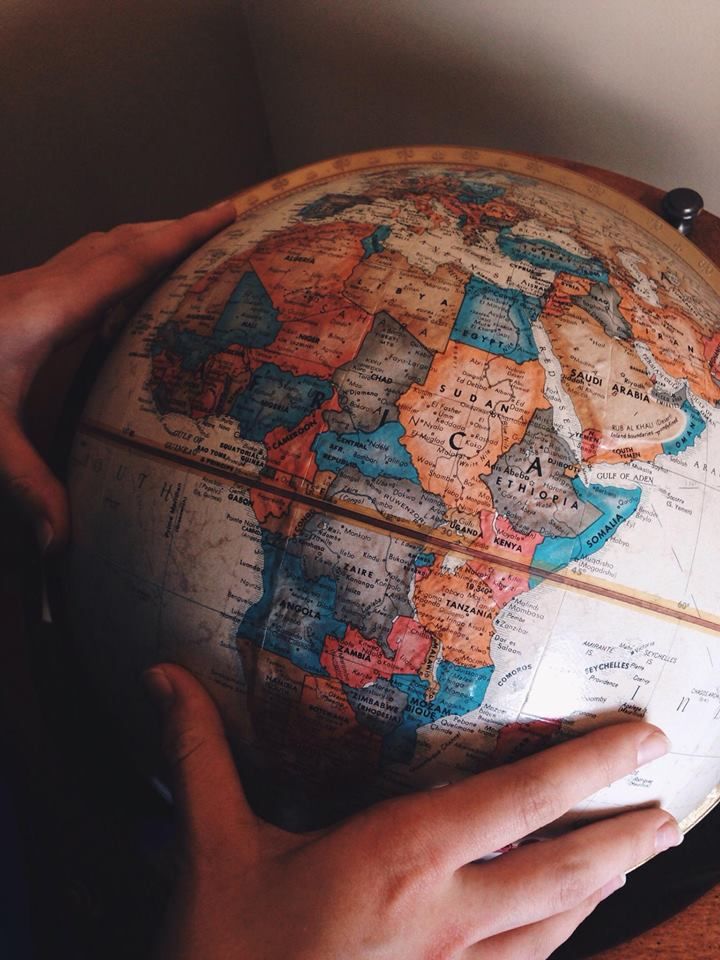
column 124, row 230
column 592, row 901
column 607, row 763
column 642, row 840
column 540, row 944
column 536, row 801
column 19, row 487
column 30, row 491
column 449, row 943
column 182, row 741
column 572, row 883
column 428, row 864
column 548, row 937
column 410, row 879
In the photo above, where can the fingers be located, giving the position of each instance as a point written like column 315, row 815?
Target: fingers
column 46, row 305
column 217, row 821
column 100, row 269
column 537, row 941
column 31, row 485
column 491, row 810
column 93, row 244
column 543, row 879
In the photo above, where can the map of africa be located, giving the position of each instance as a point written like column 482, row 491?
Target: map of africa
column 416, row 467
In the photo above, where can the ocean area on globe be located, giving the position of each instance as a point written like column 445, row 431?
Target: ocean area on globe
column 415, row 466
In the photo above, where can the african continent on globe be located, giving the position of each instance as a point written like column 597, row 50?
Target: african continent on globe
column 416, row 466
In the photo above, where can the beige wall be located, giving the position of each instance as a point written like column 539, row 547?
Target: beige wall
column 114, row 111
column 632, row 85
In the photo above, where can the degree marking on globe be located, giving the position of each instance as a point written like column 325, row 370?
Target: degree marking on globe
column 459, row 157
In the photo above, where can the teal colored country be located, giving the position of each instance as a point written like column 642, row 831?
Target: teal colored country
column 550, row 256
column 277, row 398
column 376, row 454
column 330, row 204
column 498, row 320
column 424, row 559
column 461, row 690
column 294, row 614
column 375, row 242
column 477, row 191
column 248, row 317
column 694, row 426
column 616, row 505
column 248, row 320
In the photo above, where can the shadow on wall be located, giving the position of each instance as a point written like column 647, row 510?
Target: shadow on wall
column 115, row 112
column 341, row 77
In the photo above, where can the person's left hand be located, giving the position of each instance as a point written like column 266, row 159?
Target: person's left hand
column 47, row 306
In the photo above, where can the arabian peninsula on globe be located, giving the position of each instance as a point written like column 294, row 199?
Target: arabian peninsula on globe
column 417, row 467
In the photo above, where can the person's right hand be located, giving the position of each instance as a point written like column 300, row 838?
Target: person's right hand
column 399, row 881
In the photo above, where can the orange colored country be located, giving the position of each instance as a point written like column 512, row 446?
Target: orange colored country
column 304, row 265
column 328, row 337
column 426, row 304
column 458, row 608
column 674, row 338
column 610, row 388
column 471, row 409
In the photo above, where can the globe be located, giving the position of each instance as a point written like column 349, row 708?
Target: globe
column 416, row 467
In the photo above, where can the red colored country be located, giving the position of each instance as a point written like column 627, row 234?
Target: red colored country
column 711, row 353
column 290, row 450
column 411, row 643
column 504, row 537
column 590, row 444
column 501, row 538
column 357, row 661
column 354, row 659
column 268, row 508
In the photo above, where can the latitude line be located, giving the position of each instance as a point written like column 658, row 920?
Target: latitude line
column 407, row 532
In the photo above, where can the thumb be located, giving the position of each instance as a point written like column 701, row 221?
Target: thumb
column 217, row 821
column 31, row 484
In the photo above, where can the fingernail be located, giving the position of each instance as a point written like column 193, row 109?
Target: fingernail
column 612, row 885
column 44, row 534
column 668, row 835
column 158, row 685
column 655, row 745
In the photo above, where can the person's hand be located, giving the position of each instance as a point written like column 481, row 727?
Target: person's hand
column 47, row 306
column 397, row 882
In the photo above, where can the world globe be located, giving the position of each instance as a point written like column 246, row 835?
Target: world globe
column 416, row 467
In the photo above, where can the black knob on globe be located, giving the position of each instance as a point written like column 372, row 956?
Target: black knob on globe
column 681, row 206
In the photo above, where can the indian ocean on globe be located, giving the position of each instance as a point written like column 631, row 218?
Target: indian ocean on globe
column 416, row 466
